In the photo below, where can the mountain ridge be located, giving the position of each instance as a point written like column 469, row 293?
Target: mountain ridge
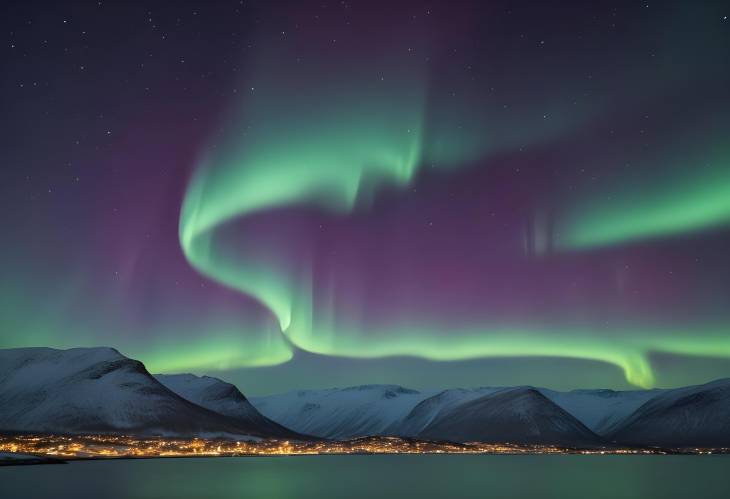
column 601, row 410
column 98, row 390
column 697, row 415
column 521, row 415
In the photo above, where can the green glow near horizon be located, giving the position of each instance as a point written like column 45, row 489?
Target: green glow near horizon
column 216, row 355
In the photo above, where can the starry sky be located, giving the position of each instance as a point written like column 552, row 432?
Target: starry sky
column 314, row 194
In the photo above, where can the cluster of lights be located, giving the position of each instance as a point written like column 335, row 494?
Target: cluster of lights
column 114, row 446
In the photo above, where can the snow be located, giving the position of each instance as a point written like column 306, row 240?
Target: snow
column 95, row 390
column 85, row 390
column 600, row 410
column 430, row 408
column 689, row 416
column 341, row 412
column 37, row 383
column 364, row 410
column 209, row 392
column 518, row 415
column 223, row 398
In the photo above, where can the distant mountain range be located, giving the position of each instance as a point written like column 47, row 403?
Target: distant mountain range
column 394, row 410
column 98, row 390
column 341, row 413
column 682, row 417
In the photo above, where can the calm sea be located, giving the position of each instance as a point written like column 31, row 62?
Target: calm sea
column 343, row 477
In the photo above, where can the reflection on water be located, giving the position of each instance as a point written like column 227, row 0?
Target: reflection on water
column 442, row 476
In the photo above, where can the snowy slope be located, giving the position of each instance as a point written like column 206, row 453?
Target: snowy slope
column 597, row 409
column 341, row 412
column 517, row 415
column 223, row 398
column 429, row 409
column 364, row 410
column 94, row 390
column 520, row 414
column 683, row 417
column 600, row 410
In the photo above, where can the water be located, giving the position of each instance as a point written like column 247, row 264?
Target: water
column 343, row 477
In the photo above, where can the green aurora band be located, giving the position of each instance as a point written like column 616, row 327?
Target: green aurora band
column 323, row 146
column 694, row 195
column 574, row 161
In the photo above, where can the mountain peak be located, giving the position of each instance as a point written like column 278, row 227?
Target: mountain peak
column 221, row 397
column 98, row 390
column 691, row 416
column 517, row 415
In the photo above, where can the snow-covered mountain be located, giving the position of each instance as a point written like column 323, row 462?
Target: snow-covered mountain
column 517, row 415
column 596, row 409
column 683, row 417
column 394, row 410
column 341, row 413
column 600, row 410
column 427, row 410
column 98, row 390
column 223, row 398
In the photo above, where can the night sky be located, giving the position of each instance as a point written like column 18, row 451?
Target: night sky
column 314, row 194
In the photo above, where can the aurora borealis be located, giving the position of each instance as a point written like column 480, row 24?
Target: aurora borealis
column 316, row 194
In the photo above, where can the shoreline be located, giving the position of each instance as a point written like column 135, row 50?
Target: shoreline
column 57, row 449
